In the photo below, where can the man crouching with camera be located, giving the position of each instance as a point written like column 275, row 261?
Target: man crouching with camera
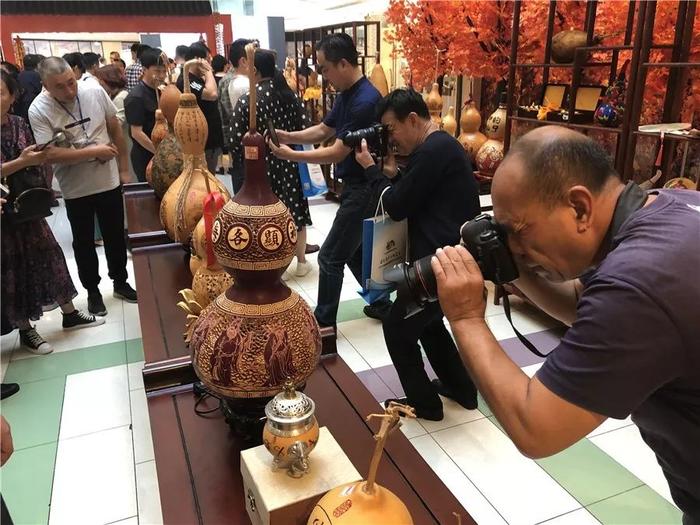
column 620, row 267
column 436, row 193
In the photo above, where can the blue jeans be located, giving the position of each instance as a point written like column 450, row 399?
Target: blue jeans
column 342, row 246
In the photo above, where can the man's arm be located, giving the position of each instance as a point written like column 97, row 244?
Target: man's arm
column 556, row 299
column 330, row 155
column 539, row 422
column 209, row 92
column 140, row 136
column 114, row 128
column 313, row 135
column 103, row 152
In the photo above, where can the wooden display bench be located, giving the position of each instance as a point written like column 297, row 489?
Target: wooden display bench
column 143, row 216
column 198, row 458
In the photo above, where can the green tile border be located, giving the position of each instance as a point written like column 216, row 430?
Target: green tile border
column 588, row 473
column 593, row 477
column 26, row 483
column 351, row 310
column 34, row 413
column 61, row 364
column 639, row 506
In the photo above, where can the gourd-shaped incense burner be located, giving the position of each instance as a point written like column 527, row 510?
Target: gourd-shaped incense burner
column 291, row 430
column 183, row 204
column 470, row 137
column 259, row 333
column 366, row 501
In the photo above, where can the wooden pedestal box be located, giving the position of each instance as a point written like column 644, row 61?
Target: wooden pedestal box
column 275, row 498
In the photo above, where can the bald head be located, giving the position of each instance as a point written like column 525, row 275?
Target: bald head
column 551, row 159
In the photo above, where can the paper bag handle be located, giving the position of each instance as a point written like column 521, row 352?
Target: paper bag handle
column 380, row 204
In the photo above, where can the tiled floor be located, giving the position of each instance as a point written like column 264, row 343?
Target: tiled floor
column 83, row 449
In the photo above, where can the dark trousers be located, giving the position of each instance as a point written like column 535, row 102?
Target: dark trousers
column 402, row 336
column 109, row 208
column 5, row 517
column 342, row 246
column 140, row 158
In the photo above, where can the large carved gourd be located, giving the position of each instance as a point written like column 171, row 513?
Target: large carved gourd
column 378, row 79
column 167, row 164
column 470, row 137
column 259, row 333
column 183, row 204
column 158, row 133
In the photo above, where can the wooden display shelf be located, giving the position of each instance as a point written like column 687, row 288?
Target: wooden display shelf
column 143, row 216
column 670, row 136
column 198, row 458
column 588, row 127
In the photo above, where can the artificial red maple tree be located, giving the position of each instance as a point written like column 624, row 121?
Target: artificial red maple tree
column 473, row 38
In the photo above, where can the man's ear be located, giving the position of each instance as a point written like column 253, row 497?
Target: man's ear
column 580, row 200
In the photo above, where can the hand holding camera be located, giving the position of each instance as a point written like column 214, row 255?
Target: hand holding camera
column 460, row 284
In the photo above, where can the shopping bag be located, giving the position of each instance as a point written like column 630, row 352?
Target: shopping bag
column 384, row 244
column 311, row 176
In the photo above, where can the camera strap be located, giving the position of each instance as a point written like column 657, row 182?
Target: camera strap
column 521, row 337
column 630, row 200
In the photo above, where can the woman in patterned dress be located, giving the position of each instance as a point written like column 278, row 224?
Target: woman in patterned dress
column 277, row 101
column 33, row 270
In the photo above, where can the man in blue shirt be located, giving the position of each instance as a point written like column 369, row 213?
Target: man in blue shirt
column 354, row 109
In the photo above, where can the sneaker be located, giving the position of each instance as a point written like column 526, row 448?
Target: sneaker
column 77, row 319
column 8, row 389
column 303, row 268
column 96, row 305
column 470, row 403
column 379, row 311
column 434, row 414
column 33, row 342
column 125, row 292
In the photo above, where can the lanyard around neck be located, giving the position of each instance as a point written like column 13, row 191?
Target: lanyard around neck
column 80, row 112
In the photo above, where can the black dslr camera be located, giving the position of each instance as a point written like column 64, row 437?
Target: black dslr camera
column 377, row 137
column 483, row 238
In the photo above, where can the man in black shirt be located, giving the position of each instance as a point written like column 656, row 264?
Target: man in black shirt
column 140, row 108
column 203, row 86
column 436, row 194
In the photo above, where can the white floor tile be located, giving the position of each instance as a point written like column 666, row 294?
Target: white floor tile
column 134, row 520
column 454, row 479
column 150, row 512
column 94, row 479
column 366, row 336
column 132, row 323
column 527, row 322
column 351, row 356
column 411, row 427
column 8, row 344
column 94, row 401
column 627, row 447
column 455, row 414
column 531, row 370
column 609, row 425
column 141, row 427
column 577, row 517
column 135, row 371
column 517, row 487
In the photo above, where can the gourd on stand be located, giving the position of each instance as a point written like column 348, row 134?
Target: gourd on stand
column 258, row 334
column 183, row 204
column 470, row 137
column 449, row 122
column 434, row 102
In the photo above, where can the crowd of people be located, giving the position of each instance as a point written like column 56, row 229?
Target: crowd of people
column 601, row 256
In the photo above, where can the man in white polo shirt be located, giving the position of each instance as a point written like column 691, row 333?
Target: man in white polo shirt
column 87, row 171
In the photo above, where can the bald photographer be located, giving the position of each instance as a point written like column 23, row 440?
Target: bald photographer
column 616, row 264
